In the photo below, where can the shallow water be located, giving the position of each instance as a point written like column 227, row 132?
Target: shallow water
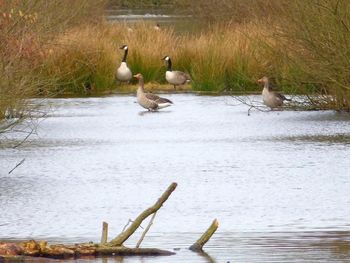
column 278, row 182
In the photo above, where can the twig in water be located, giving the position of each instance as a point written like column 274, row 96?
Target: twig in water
column 21, row 142
column 22, row 161
column 127, row 224
column 146, row 230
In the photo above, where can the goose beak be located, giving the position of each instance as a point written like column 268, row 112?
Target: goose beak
column 260, row 81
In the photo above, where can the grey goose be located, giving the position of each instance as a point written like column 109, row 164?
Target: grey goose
column 150, row 101
column 271, row 98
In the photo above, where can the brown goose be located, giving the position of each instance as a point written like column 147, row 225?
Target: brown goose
column 150, row 101
column 175, row 77
column 271, row 98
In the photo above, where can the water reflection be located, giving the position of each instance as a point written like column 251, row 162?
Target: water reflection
column 143, row 113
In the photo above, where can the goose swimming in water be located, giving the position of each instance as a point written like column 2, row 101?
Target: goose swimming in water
column 271, row 98
column 175, row 77
column 150, row 101
column 123, row 72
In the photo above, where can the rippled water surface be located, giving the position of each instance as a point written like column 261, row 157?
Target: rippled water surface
column 278, row 182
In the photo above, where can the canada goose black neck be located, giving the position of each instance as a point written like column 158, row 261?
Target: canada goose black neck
column 169, row 65
column 125, row 55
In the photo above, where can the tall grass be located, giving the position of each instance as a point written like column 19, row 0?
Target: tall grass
column 307, row 40
column 223, row 57
column 302, row 45
column 316, row 37
column 27, row 29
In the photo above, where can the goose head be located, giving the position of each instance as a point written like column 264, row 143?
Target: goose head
column 138, row 76
column 125, row 47
column 166, row 58
column 263, row 80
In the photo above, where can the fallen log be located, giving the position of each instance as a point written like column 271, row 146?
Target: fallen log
column 113, row 248
column 125, row 251
column 122, row 237
column 198, row 245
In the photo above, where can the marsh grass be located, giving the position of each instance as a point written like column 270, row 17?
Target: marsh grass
column 224, row 57
column 302, row 45
column 27, row 29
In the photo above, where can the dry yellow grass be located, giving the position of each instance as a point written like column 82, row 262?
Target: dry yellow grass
column 223, row 57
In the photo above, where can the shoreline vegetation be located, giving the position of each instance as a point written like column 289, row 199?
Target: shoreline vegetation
column 302, row 45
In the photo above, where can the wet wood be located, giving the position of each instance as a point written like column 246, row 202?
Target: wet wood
column 198, row 245
column 122, row 237
column 125, row 251
column 16, row 251
column 146, row 230
column 104, row 237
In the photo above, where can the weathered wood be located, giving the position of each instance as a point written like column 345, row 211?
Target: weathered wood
column 43, row 249
column 122, row 237
column 11, row 259
column 114, row 248
column 198, row 245
column 146, row 230
column 125, row 251
column 104, row 236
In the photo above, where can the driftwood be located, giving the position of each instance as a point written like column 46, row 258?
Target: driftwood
column 14, row 251
column 146, row 230
column 104, row 236
column 198, row 245
column 122, row 237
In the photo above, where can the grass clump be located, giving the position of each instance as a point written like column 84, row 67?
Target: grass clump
column 27, row 29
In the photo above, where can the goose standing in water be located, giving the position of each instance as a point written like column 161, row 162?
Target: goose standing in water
column 123, row 72
column 271, row 98
column 175, row 77
column 150, row 101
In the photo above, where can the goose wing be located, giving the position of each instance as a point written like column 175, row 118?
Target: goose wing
column 281, row 96
column 157, row 99
column 182, row 76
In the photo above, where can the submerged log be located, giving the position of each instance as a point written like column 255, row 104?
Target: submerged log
column 198, row 245
column 125, row 251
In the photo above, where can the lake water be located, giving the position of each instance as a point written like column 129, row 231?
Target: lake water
column 278, row 182
column 180, row 20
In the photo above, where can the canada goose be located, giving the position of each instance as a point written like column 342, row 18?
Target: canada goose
column 175, row 77
column 150, row 101
column 123, row 72
column 271, row 98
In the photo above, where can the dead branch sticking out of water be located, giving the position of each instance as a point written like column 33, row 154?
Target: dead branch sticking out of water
column 122, row 237
column 198, row 245
column 115, row 247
